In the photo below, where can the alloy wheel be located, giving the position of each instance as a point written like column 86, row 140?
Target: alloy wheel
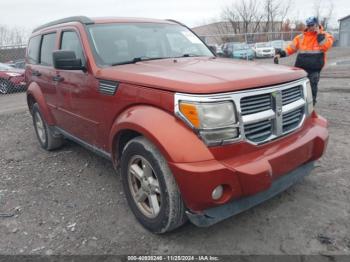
column 40, row 128
column 144, row 186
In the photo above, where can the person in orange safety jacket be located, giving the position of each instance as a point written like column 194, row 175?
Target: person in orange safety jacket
column 311, row 46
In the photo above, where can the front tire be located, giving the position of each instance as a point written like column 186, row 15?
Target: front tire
column 47, row 138
column 150, row 187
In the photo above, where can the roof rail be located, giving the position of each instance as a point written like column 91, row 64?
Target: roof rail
column 174, row 21
column 81, row 19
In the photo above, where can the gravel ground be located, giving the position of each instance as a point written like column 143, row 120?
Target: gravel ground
column 71, row 201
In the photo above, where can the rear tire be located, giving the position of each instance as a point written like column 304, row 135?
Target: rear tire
column 150, row 188
column 47, row 138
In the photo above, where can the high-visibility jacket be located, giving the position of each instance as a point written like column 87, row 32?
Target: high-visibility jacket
column 311, row 48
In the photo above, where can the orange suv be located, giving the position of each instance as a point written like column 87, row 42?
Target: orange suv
column 193, row 136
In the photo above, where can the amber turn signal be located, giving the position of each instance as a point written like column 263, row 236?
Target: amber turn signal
column 191, row 113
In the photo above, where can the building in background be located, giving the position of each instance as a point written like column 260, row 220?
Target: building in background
column 344, row 31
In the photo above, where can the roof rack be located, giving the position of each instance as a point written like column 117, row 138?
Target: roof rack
column 81, row 19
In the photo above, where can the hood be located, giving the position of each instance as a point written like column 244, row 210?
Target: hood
column 201, row 75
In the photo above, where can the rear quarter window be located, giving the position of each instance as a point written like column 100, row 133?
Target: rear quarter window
column 33, row 50
column 48, row 45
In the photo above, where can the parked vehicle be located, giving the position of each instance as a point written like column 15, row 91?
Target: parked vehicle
column 264, row 49
column 227, row 49
column 242, row 51
column 278, row 44
column 20, row 63
column 219, row 50
column 193, row 136
column 11, row 79
column 238, row 50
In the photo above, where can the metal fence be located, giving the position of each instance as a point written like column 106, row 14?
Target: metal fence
column 249, row 38
column 242, row 46
column 12, row 69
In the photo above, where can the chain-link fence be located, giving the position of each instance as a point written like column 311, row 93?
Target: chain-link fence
column 12, row 66
column 246, row 45
column 249, row 38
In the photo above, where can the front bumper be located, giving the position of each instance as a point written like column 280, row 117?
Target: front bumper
column 249, row 57
column 246, row 170
column 213, row 215
column 265, row 54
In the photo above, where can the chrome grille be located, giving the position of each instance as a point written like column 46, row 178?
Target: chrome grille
column 257, row 103
column 259, row 131
column 272, row 113
column 292, row 119
column 291, row 94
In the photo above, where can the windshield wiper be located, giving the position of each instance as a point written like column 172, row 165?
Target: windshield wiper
column 190, row 55
column 139, row 59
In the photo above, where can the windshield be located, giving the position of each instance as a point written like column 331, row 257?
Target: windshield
column 121, row 43
column 263, row 45
column 5, row 67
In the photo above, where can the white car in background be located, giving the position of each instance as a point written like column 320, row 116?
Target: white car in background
column 264, row 49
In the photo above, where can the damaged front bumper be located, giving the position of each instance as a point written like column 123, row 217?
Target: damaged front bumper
column 214, row 215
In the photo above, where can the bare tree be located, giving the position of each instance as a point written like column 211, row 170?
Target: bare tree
column 270, row 8
column 284, row 11
column 275, row 14
column 230, row 15
column 244, row 16
column 13, row 35
column 323, row 10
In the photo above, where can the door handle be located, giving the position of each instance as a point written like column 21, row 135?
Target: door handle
column 36, row 73
column 57, row 78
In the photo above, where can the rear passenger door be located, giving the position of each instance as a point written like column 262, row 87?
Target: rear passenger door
column 43, row 72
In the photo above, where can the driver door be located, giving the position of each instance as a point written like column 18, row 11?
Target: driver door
column 77, row 91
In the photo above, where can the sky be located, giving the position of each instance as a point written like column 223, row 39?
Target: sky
column 28, row 14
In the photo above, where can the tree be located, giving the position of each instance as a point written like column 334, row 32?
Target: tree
column 275, row 11
column 323, row 11
column 244, row 16
column 13, row 36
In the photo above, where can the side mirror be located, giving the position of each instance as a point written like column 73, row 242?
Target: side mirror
column 66, row 60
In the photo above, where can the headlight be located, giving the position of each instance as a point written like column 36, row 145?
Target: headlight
column 309, row 98
column 12, row 74
column 214, row 121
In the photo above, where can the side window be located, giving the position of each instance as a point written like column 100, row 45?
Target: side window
column 33, row 49
column 70, row 41
column 47, row 47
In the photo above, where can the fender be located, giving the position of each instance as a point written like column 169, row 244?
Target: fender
column 177, row 142
column 35, row 91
